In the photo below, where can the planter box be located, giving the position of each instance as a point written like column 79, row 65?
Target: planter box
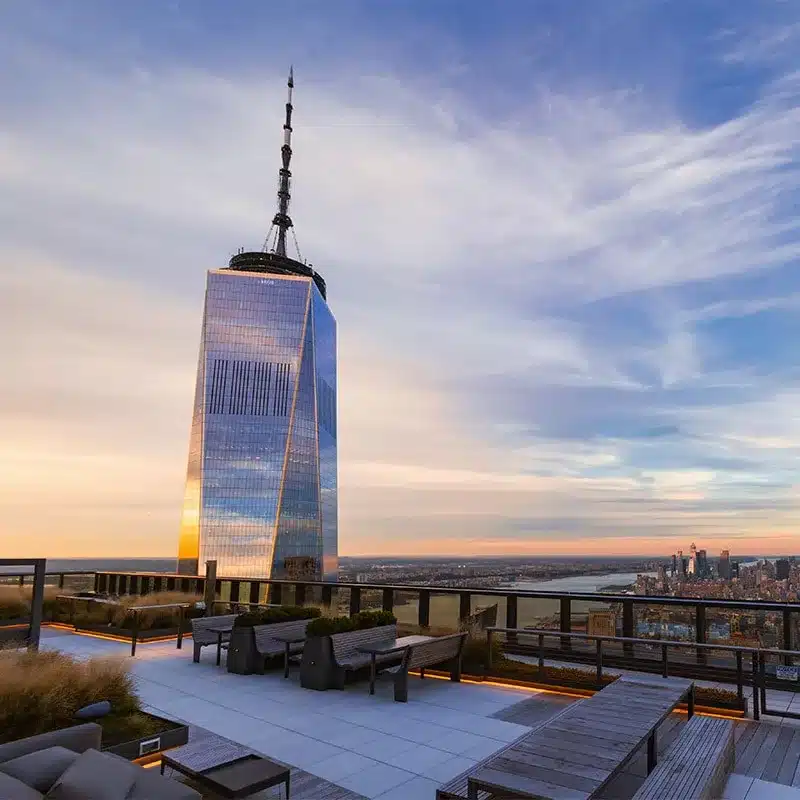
column 320, row 669
column 243, row 658
column 173, row 735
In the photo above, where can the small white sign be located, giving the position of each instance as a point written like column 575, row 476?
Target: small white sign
column 787, row 673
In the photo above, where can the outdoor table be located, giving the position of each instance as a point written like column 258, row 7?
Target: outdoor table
column 390, row 646
column 220, row 630
column 288, row 640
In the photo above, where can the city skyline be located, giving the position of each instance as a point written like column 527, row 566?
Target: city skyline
column 565, row 283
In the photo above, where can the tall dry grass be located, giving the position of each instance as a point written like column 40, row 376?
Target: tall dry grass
column 117, row 614
column 15, row 601
column 41, row 691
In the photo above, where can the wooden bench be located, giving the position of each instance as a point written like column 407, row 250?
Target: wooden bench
column 456, row 788
column 577, row 754
column 269, row 647
column 201, row 636
column 428, row 654
column 696, row 766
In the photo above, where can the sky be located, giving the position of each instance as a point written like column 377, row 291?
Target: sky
column 560, row 238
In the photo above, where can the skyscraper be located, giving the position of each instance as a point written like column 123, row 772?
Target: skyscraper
column 261, row 485
column 725, row 565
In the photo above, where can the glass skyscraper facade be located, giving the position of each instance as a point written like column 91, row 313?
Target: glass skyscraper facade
column 261, row 487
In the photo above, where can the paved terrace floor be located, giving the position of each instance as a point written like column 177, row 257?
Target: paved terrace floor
column 373, row 747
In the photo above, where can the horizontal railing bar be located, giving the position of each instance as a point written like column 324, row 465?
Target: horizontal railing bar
column 687, row 602
column 627, row 639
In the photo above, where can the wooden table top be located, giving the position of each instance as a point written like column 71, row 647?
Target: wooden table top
column 577, row 753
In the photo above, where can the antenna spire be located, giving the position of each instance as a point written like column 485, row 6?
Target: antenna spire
column 282, row 221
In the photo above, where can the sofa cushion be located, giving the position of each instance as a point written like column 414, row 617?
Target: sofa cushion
column 40, row 770
column 149, row 785
column 95, row 776
column 12, row 787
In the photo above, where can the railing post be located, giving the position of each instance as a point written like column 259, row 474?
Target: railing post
column 60, row 580
column 700, row 631
column 754, row 658
column 299, row 594
column 599, row 676
column 388, row 600
column 327, row 596
column 135, row 631
column 235, row 591
column 627, row 627
column 565, row 619
column 122, row 583
column 210, row 587
column 489, row 649
column 424, row 616
column 787, row 635
column 96, row 583
column 37, row 599
column 664, row 660
column 464, row 607
column 276, row 593
column 355, row 601
column 170, row 584
column 255, row 592
column 102, row 584
column 739, row 677
column 541, row 653
column 180, row 627
column 21, row 580
column 157, row 584
column 762, row 679
column 511, row 611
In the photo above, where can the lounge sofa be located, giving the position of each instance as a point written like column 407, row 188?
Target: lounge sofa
column 68, row 765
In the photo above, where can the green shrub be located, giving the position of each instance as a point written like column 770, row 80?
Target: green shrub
column 327, row 626
column 271, row 616
column 473, row 656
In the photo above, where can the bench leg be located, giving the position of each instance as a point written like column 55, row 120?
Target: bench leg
column 652, row 752
column 455, row 672
column 401, row 687
column 196, row 654
column 286, row 660
column 690, row 702
column 372, row 671
column 422, row 673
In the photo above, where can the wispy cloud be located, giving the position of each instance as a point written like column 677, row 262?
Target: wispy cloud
column 527, row 304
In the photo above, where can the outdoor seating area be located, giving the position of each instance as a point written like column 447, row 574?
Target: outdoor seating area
column 449, row 740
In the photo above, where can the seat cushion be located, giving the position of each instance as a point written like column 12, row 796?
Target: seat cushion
column 42, row 769
column 11, row 787
column 150, row 785
column 95, row 776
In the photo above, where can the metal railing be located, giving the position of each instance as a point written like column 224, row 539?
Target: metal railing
column 600, row 655
column 133, row 611
column 778, row 623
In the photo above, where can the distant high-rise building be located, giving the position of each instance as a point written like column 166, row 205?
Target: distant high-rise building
column 782, row 569
column 681, row 564
column 261, row 486
column 674, row 565
column 702, row 563
column 725, row 565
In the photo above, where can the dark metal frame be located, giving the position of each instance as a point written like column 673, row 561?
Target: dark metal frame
column 37, row 596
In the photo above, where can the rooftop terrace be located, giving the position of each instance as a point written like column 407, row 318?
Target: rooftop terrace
column 348, row 745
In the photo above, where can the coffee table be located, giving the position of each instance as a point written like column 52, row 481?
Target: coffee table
column 238, row 776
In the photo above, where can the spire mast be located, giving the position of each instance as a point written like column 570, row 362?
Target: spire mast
column 282, row 221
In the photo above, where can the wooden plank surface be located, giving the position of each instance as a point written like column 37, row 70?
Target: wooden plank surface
column 581, row 749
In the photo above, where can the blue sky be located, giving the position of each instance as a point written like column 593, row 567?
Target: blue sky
column 560, row 239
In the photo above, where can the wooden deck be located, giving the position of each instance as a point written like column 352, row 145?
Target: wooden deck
column 764, row 750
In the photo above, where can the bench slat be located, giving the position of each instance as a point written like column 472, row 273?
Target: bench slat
column 696, row 766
